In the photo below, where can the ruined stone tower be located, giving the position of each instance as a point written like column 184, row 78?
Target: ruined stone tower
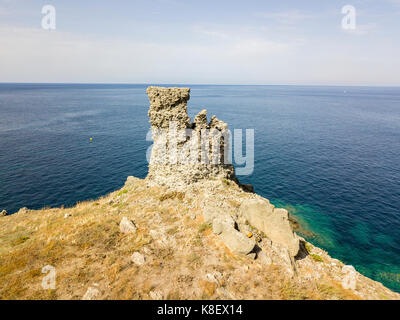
column 184, row 152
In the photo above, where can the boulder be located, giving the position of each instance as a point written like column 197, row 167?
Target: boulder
column 3, row 213
column 23, row 210
column 236, row 241
column 274, row 222
column 156, row 295
column 211, row 212
column 127, row 226
column 221, row 224
column 138, row 259
column 92, row 293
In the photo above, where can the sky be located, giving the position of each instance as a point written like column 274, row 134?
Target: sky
column 201, row 42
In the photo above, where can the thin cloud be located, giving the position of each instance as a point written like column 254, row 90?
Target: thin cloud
column 362, row 29
column 285, row 17
column 210, row 33
column 65, row 57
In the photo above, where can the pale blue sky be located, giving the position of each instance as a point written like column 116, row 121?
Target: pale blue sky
column 221, row 42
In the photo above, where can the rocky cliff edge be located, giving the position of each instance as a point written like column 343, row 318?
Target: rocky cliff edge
column 185, row 232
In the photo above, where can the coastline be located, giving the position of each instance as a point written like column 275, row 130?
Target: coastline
column 85, row 244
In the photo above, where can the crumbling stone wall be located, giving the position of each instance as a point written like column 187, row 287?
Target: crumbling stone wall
column 184, row 152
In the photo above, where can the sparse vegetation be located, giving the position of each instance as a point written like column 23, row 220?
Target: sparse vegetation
column 208, row 288
column 204, row 226
column 172, row 230
column 122, row 192
column 88, row 247
column 20, row 240
column 172, row 195
column 317, row 257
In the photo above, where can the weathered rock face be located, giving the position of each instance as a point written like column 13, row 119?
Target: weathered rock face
column 274, row 222
column 168, row 104
column 184, row 152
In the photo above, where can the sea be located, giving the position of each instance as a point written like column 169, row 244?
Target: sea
column 329, row 154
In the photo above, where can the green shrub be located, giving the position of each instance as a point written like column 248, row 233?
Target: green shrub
column 122, row 192
column 317, row 258
column 204, row 226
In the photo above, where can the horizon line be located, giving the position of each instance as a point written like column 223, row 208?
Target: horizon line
column 202, row 84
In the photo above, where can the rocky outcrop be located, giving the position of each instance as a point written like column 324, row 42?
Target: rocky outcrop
column 273, row 222
column 184, row 152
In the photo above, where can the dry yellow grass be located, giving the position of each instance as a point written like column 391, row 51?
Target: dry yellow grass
column 87, row 247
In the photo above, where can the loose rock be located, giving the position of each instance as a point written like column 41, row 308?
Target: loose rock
column 138, row 259
column 23, row 210
column 127, row 226
column 92, row 293
column 155, row 295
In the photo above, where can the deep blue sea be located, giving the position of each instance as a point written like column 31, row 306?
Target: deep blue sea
column 329, row 154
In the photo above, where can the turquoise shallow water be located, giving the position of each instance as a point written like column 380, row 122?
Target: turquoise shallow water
column 331, row 155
